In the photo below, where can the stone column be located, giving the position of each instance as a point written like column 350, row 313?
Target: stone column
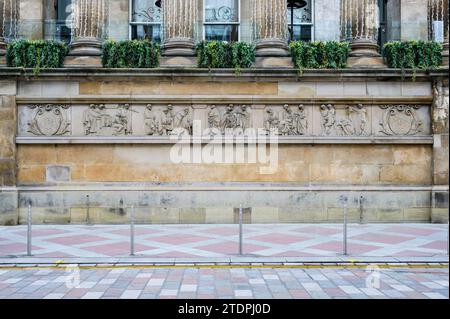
column 359, row 25
column 179, row 18
column 438, row 16
column 8, row 167
column 440, row 123
column 9, row 17
column 90, row 19
column 270, row 31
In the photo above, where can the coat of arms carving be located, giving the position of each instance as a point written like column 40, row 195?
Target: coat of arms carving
column 49, row 120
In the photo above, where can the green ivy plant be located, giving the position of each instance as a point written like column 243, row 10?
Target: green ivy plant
column 319, row 54
column 413, row 54
column 130, row 54
column 36, row 54
column 223, row 55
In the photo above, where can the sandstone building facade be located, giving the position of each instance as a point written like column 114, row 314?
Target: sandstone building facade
column 88, row 142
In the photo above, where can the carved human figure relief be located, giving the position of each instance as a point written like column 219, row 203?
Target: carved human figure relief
column 236, row 120
column 440, row 106
column 327, row 118
column 49, row 120
column 167, row 120
column 182, row 122
column 122, row 123
column 400, row 120
column 152, row 124
column 99, row 120
column 271, row 122
column 214, row 128
column 351, row 121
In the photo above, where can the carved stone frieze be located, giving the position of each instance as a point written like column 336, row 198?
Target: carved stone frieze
column 353, row 122
column 292, row 122
column 168, row 122
column 49, row 120
column 400, row 120
column 99, row 120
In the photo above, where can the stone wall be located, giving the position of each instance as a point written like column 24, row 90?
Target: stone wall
column 301, row 164
column 372, row 138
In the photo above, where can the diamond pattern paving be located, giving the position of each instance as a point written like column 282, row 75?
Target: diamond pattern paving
column 268, row 240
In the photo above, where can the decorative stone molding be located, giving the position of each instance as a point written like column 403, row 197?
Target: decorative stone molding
column 400, row 120
column 49, row 120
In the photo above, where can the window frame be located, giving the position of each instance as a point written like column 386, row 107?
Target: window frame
column 204, row 23
column 131, row 23
column 312, row 23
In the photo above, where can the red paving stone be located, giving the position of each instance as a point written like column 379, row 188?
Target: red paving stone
column 77, row 239
column 318, row 230
column 382, row 238
column 231, row 248
column 116, row 249
column 438, row 244
column 408, row 230
column 337, row 246
column 278, row 238
column 177, row 239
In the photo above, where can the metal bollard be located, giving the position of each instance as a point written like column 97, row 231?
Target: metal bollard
column 88, row 217
column 240, row 229
column 448, row 236
column 29, row 222
column 132, row 231
column 343, row 200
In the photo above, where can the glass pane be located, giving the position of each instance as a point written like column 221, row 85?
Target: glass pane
column 302, row 33
column 221, row 10
column 221, row 32
column 303, row 14
column 146, row 32
column 146, row 11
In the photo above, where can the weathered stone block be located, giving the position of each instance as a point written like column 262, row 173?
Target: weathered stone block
column 9, row 213
column 56, row 173
column 164, row 215
column 417, row 214
column 8, row 87
column 261, row 215
column 390, row 215
column 192, row 216
column 219, row 215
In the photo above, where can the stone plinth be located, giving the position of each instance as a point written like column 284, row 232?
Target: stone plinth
column 84, row 52
column 179, row 52
column 364, row 54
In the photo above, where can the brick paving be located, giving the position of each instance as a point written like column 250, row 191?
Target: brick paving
column 224, row 283
column 215, row 241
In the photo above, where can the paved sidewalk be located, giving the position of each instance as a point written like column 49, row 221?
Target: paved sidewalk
column 226, row 283
column 219, row 241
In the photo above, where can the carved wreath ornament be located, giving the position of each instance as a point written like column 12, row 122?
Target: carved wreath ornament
column 400, row 120
column 49, row 120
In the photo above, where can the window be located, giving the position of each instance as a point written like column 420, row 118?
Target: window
column 63, row 20
column 145, row 21
column 300, row 20
column 221, row 20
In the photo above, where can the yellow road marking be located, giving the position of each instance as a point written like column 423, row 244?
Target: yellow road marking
column 60, row 266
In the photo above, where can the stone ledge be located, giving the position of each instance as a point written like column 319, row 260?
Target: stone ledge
column 218, row 74
column 426, row 140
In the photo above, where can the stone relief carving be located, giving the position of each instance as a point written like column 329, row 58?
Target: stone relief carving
column 400, row 120
column 292, row 123
column 440, row 105
column 353, row 123
column 236, row 120
column 214, row 125
column 168, row 122
column 100, row 120
column 49, row 120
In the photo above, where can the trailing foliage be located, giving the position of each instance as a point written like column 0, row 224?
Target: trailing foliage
column 36, row 54
column 413, row 54
column 130, row 54
column 319, row 54
column 220, row 54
